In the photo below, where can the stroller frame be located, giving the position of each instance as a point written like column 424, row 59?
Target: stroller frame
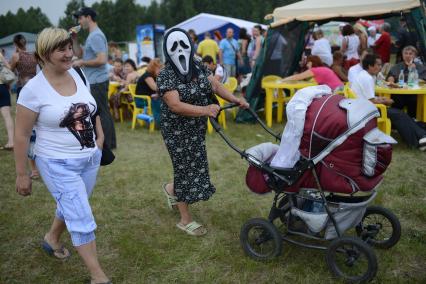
column 288, row 176
column 280, row 177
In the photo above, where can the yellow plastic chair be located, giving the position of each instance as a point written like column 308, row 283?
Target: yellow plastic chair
column 275, row 96
column 112, row 88
column 383, row 122
column 137, row 110
column 124, row 104
column 221, row 118
column 231, row 85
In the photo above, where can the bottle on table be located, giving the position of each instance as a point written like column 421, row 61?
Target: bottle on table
column 380, row 79
column 415, row 78
column 410, row 79
column 401, row 80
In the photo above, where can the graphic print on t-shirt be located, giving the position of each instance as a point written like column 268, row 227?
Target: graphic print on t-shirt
column 78, row 121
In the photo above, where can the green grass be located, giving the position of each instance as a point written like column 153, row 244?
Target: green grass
column 137, row 239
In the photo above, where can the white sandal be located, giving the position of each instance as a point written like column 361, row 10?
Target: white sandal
column 171, row 199
column 193, row 229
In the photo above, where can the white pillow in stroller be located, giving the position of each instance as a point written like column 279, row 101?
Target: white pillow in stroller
column 256, row 179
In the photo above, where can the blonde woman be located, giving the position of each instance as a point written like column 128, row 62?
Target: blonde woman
column 67, row 149
column 361, row 32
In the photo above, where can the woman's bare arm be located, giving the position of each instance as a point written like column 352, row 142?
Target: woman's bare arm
column 99, row 133
column 220, row 90
column 25, row 120
column 172, row 100
column 301, row 76
column 151, row 83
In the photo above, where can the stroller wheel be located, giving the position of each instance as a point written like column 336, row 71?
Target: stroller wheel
column 260, row 239
column 379, row 227
column 351, row 259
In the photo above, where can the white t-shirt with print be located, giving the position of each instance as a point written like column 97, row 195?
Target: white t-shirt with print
column 363, row 85
column 63, row 126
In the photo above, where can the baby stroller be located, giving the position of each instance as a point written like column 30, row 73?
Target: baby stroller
column 327, row 193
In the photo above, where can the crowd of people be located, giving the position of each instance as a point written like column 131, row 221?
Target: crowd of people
column 336, row 65
column 224, row 57
column 233, row 57
column 68, row 147
column 65, row 101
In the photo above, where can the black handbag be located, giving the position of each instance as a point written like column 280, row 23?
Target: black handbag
column 107, row 155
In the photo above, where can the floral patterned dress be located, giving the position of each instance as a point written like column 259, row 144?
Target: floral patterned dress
column 184, row 136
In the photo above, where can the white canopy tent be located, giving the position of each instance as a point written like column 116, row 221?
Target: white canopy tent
column 314, row 10
column 205, row 22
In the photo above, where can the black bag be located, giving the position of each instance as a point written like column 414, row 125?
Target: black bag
column 107, row 155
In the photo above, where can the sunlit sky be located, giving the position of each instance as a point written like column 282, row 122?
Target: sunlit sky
column 54, row 9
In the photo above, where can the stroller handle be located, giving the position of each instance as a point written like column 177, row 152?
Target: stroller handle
column 228, row 106
column 217, row 127
column 219, row 130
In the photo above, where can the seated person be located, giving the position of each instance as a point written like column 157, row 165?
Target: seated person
column 142, row 66
column 130, row 77
column 322, row 75
column 409, row 53
column 117, row 73
column 363, row 87
column 337, row 66
column 147, row 85
column 219, row 72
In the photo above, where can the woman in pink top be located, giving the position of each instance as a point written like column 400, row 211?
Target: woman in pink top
column 322, row 75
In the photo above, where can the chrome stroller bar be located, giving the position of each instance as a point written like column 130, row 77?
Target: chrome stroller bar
column 252, row 113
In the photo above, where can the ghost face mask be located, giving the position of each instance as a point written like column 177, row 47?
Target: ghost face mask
column 179, row 52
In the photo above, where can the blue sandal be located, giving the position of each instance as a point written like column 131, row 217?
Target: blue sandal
column 61, row 253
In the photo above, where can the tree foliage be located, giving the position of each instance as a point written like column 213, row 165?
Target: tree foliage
column 32, row 20
column 118, row 18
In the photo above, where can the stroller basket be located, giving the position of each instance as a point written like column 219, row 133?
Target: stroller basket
column 346, row 214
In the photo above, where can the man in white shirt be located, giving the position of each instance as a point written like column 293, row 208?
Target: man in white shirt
column 373, row 36
column 354, row 70
column 218, row 71
column 363, row 86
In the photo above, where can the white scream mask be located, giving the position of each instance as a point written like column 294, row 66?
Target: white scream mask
column 179, row 50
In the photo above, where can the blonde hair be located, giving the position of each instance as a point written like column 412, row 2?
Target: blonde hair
column 48, row 40
column 153, row 66
column 361, row 28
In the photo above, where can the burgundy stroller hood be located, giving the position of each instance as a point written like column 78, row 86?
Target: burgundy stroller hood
column 341, row 137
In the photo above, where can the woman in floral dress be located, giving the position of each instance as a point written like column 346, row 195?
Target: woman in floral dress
column 186, row 88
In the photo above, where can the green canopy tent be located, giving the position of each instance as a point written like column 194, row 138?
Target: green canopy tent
column 289, row 26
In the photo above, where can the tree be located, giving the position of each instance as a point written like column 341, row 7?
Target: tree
column 68, row 20
column 33, row 21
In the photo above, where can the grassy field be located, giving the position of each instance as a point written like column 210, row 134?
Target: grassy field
column 139, row 243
